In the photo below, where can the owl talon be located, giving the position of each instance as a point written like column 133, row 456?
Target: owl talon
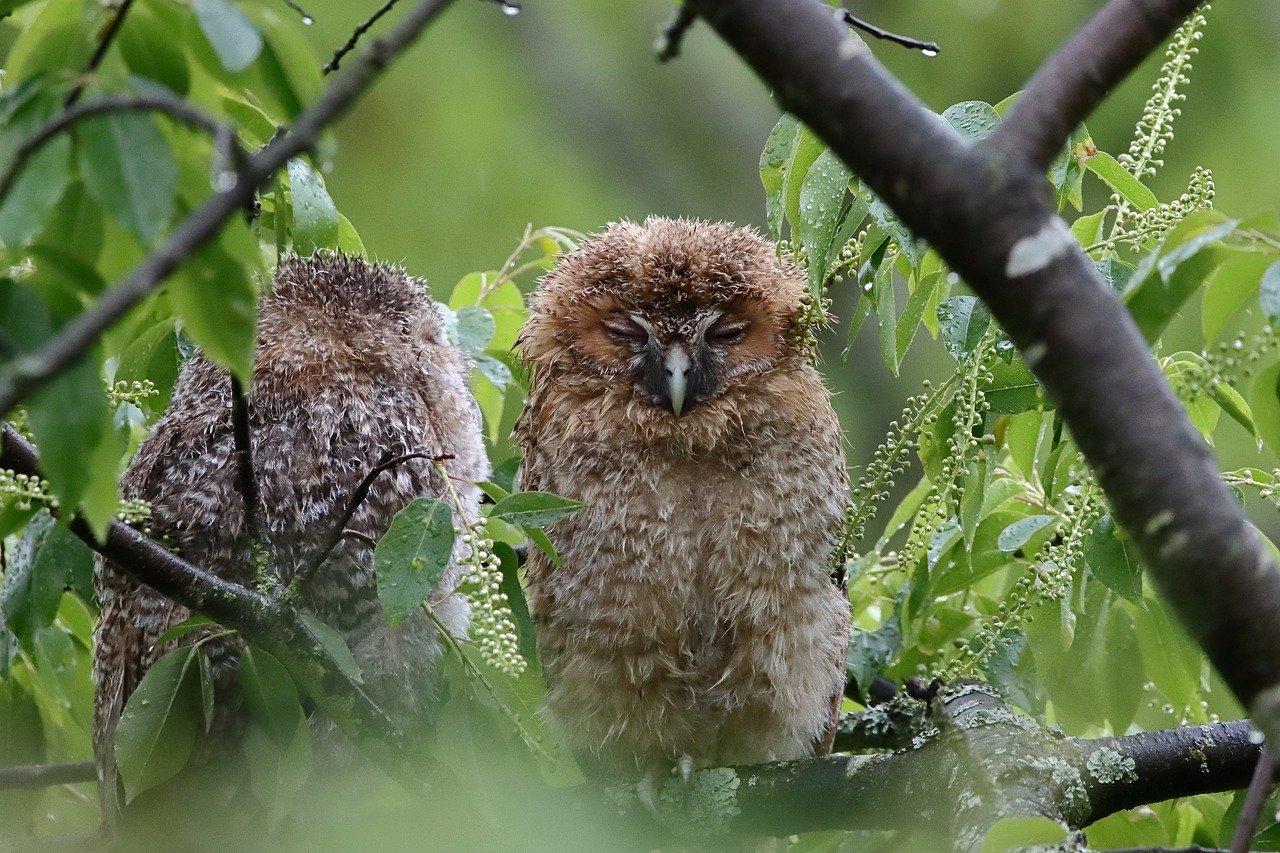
column 647, row 790
column 686, row 768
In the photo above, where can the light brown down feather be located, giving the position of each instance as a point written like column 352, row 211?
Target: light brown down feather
column 694, row 613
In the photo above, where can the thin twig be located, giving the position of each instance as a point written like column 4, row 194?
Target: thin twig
column 79, row 334
column 44, row 775
column 246, row 480
column 1256, row 797
column 361, row 537
column 175, row 108
column 306, row 16
column 99, row 53
column 350, row 45
column 667, row 46
column 305, row 575
column 928, row 48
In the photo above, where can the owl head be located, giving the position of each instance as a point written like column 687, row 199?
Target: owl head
column 672, row 316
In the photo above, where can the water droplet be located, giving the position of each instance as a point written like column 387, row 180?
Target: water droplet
column 1256, row 737
column 509, row 9
column 308, row 20
column 929, row 52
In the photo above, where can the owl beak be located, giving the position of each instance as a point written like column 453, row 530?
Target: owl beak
column 676, row 366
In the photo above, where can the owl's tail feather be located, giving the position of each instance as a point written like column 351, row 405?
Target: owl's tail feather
column 826, row 740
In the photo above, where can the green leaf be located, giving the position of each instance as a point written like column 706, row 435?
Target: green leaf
column 963, row 321
column 412, row 556
column 1230, row 288
column 1229, row 399
column 1020, row 532
column 971, row 499
column 821, row 202
column 278, row 770
column 804, row 153
column 128, row 169
column 69, row 417
column 215, row 296
column 1013, row 388
column 35, row 192
column 232, row 35
column 349, row 241
column 315, row 218
column 974, row 120
column 475, row 329
column 149, row 50
column 1012, row 833
column 1088, row 229
column 882, row 294
column 158, row 727
column 913, row 313
column 870, row 651
column 269, row 693
column 1118, row 178
column 1113, row 560
column 1265, row 400
column 184, row 627
column 493, row 370
column 1172, row 661
column 32, row 586
column 539, row 538
column 56, row 40
column 773, row 169
column 534, row 509
column 1269, row 291
column 1123, row 671
column 1022, row 437
column 334, row 645
column 493, row 490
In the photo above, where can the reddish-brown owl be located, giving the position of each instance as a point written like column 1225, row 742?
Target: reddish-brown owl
column 352, row 362
column 694, row 620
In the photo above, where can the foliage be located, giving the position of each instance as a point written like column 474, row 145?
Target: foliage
column 1001, row 560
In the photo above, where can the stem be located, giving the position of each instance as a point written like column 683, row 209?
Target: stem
column 99, row 53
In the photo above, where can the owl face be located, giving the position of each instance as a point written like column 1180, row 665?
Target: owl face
column 678, row 357
column 673, row 316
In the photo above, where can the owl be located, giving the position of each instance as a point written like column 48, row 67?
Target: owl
column 692, row 619
column 352, row 362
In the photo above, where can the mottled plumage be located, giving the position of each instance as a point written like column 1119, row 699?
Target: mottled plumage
column 695, row 614
column 352, row 362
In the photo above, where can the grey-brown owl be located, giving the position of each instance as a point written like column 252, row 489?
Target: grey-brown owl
column 694, row 620
column 351, row 362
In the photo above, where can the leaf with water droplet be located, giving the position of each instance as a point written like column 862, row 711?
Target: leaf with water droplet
column 412, row 556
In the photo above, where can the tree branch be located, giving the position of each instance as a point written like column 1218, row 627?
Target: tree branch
column 928, row 48
column 1071, row 84
column 100, row 53
column 44, row 775
column 246, row 480
column 350, row 45
column 976, row 206
column 272, row 624
column 175, row 108
column 968, row 742
column 1259, row 787
column 667, row 46
column 203, row 225
column 339, row 530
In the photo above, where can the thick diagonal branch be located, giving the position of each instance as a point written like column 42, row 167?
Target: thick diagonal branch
column 989, row 217
column 204, row 224
column 1071, row 84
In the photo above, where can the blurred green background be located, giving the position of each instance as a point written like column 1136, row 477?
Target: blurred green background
column 560, row 115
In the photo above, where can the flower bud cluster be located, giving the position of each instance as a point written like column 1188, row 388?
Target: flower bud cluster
column 134, row 392
column 25, row 491
column 492, row 627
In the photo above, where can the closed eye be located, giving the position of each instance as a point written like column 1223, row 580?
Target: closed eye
column 623, row 329
column 727, row 330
